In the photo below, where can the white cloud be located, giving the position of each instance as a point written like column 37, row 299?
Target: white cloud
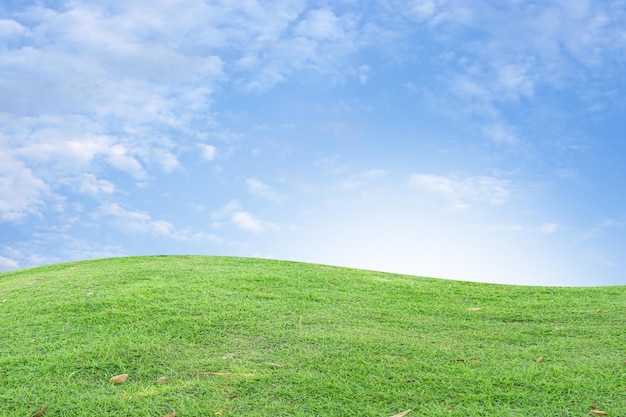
column 321, row 41
column 58, row 146
column 470, row 88
column 606, row 226
column 99, row 83
column 514, row 81
column 261, row 189
column 566, row 173
column 363, row 178
column 486, row 85
column 7, row 264
column 548, row 228
column 166, row 160
column 119, row 157
column 364, row 72
column 208, row 151
column 55, row 246
column 320, row 24
column 544, row 229
column 90, row 184
column 423, row 9
column 22, row 193
column 10, row 29
column 566, row 46
column 136, row 221
column 246, row 221
column 95, row 83
column 462, row 193
column 501, row 133
column 617, row 222
column 242, row 219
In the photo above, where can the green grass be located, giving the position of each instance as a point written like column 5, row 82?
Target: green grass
column 356, row 343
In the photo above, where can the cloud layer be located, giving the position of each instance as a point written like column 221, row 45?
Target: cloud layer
column 328, row 131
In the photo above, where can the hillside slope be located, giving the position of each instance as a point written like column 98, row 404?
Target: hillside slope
column 251, row 337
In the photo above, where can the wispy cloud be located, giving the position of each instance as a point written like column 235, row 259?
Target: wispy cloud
column 139, row 87
column 90, row 184
column 246, row 221
column 320, row 24
column 105, row 106
column 208, row 151
column 548, row 228
column 605, row 226
column 44, row 248
column 87, row 84
column 136, row 221
column 21, row 192
column 99, row 84
column 261, row 189
column 500, row 133
column 242, row 219
column 363, row 178
column 566, row 46
column 7, row 264
column 463, row 192
column 320, row 40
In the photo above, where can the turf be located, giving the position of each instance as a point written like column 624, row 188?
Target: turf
column 251, row 337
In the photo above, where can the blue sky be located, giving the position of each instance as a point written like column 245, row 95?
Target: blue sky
column 478, row 141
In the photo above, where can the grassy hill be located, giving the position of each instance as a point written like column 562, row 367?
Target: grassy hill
column 205, row 336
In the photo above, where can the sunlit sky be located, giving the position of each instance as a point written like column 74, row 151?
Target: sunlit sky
column 480, row 141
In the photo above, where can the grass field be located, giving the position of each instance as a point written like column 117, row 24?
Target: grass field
column 251, row 337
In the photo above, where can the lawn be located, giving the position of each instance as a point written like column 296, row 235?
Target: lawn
column 210, row 336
